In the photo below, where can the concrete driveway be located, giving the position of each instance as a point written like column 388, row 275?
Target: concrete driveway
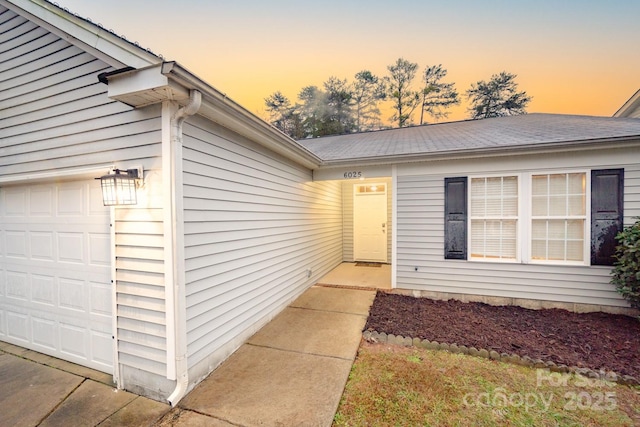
column 291, row 372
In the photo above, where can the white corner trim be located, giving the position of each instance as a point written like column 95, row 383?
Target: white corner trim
column 394, row 227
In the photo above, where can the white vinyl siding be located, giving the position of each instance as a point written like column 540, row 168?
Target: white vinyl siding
column 258, row 232
column 420, row 233
column 56, row 116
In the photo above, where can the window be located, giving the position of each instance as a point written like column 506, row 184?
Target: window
column 558, row 217
column 494, row 218
column 535, row 217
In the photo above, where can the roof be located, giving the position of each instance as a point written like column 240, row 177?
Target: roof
column 513, row 132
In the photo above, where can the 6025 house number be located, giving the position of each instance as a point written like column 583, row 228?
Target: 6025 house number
column 353, row 174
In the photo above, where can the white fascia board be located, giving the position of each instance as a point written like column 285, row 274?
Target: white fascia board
column 97, row 41
column 217, row 107
column 630, row 106
column 551, row 147
column 169, row 81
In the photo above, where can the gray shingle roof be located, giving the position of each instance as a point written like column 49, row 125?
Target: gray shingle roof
column 503, row 132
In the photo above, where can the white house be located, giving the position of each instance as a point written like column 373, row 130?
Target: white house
column 515, row 210
column 233, row 220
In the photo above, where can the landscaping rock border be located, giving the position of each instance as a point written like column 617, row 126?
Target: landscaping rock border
column 381, row 337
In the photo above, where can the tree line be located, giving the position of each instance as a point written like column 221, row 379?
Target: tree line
column 340, row 106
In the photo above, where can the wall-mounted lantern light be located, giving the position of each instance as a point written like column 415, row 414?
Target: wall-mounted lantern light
column 119, row 188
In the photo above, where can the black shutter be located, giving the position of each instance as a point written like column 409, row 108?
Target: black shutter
column 455, row 218
column 607, row 194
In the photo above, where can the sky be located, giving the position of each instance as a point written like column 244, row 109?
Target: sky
column 571, row 56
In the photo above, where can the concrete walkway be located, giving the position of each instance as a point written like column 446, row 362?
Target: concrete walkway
column 291, row 372
column 359, row 275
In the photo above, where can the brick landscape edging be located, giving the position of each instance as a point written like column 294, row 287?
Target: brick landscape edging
column 381, row 337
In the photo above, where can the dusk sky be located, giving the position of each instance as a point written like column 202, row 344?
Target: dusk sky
column 571, row 56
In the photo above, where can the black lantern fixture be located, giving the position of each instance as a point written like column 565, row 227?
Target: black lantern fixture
column 119, row 188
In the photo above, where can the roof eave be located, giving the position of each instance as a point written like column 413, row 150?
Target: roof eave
column 630, row 106
column 170, row 81
column 223, row 110
column 101, row 43
column 538, row 148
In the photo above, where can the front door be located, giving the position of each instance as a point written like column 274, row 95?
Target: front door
column 370, row 222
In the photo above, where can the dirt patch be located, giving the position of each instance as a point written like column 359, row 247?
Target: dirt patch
column 590, row 340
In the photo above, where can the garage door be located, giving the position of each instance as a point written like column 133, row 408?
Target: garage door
column 55, row 293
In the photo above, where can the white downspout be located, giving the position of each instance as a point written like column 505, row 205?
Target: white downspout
column 178, row 288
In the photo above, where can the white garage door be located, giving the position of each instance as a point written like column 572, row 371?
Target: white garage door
column 55, row 293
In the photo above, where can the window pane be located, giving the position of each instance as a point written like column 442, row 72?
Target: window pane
column 477, row 197
column 539, row 206
column 539, row 249
column 555, row 250
column 575, row 229
column 577, row 183
column 494, row 207
column 576, row 205
column 575, row 250
column 509, row 230
column 494, row 187
column 477, row 238
column 510, row 186
column 477, row 187
column 510, row 206
column 558, row 184
column 556, row 229
column 539, row 185
column 509, row 249
column 557, row 206
column 539, row 229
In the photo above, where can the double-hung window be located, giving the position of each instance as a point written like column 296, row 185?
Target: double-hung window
column 558, row 217
column 494, row 218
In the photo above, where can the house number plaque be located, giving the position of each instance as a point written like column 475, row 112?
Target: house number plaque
column 353, row 174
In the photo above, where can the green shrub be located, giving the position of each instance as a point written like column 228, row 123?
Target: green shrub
column 626, row 270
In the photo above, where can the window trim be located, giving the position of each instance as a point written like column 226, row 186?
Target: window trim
column 524, row 229
column 586, row 248
column 518, row 256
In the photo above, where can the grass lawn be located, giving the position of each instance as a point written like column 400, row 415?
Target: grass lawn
column 406, row 386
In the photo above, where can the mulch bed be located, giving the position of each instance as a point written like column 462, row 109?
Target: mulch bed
column 587, row 340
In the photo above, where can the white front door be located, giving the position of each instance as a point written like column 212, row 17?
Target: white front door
column 55, row 271
column 370, row 222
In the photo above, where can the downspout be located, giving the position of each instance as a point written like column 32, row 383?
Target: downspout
column 178, row 291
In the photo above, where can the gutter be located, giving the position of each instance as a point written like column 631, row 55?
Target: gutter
column 223, row 110
column 177, row 316
column 565, row 146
